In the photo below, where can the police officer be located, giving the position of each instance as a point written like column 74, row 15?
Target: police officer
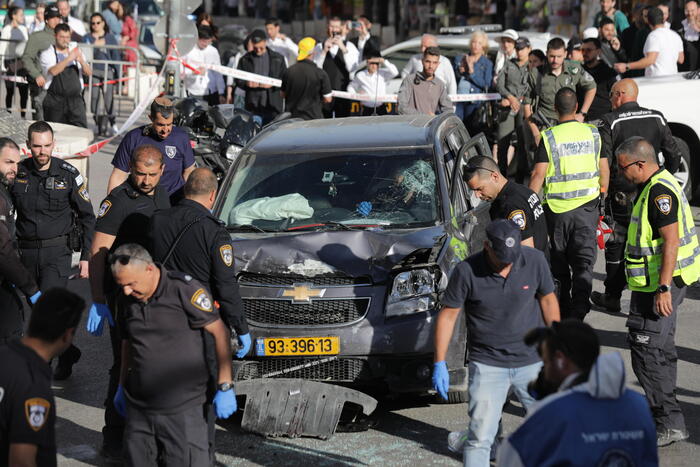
column 48, row 194
column 172, row 141
column 13, row 274
column 662, row 257
column 163, row 387
column 27, row 407
column 509, row 200
column 122, row 218
column 569, row 162
column 189, row 238
column 626, row 120
column 545, row 81
column 512, row 85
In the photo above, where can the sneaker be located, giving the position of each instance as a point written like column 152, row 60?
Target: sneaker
column 665, row 437
column 604, row 300
column 456, row 440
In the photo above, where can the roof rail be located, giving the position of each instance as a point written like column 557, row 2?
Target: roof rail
column 471, row 29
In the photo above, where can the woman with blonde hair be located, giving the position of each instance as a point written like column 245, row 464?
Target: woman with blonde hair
column 474, row 73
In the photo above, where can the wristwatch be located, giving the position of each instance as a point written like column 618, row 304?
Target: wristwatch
column 663, row 288
column 227, row 386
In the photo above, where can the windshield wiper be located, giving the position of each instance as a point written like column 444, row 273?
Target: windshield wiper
column 245, row 228
column 327, row 225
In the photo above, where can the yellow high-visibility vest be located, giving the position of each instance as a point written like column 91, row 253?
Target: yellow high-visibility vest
column 572, row 177
column 643, row 257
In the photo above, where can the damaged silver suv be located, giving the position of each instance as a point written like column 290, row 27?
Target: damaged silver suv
column 345, row 232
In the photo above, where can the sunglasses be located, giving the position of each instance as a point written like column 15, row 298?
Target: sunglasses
column 95, row 22
column 625, row 167
column 471, row 169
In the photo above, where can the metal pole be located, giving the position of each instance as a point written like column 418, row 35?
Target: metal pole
column 174, row 11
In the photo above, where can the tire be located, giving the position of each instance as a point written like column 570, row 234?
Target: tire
column 684, row 175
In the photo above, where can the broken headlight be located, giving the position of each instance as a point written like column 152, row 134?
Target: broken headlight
column 412, row 292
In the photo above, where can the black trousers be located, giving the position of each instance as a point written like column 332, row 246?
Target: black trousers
column 113, row 431
column 11, row 313
column 572, row 256
column 615, row 279
column 654, row 359
column 173, row 439
column 50, row 267
column 65, row 109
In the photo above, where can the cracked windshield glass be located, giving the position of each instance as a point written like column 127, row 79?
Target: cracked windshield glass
column 299, row 191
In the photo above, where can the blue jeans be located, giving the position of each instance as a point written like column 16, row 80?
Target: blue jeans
column 488, row 390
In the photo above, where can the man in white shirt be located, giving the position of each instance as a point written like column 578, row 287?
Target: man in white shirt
column 63, row 68
column 337, row 57
column 663, row 49
column 372, row 82
column 278, row 42
column 207, row 84
column 444, row 72
column 75, row 24
column 690, row 31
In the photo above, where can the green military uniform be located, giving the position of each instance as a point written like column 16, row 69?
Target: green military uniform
column 660, row 203
column 512, row 81
column 571, row 192
column 543, row 86
column 37, row 43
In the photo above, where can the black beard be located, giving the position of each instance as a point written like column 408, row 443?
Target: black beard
column 541, row 388
column 5, row 181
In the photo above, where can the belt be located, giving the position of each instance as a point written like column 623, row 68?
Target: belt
column 56, row 241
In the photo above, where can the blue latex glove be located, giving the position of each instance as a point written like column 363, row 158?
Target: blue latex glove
column 96, row 316
column 225, row 403
column 364, row 208
column 441, row 378
column 244, row 342
column 35, row 297
column 120, row 401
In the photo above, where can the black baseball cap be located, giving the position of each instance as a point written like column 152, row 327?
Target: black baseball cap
column 522, row 43
column 51, row 11
column 504, row 237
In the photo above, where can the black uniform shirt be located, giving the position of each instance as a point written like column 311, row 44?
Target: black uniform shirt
column 522, row 205
column 663, row 206
column 499, row 311
column 27, row 407
column 604, row 77
column 632, row 120
column 11, row 268
column 304, row 85
column 125, row 213
column 45, row 202
column 204, row 251
column 167, row 371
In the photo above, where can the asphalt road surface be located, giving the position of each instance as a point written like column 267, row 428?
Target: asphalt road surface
column 407, row 431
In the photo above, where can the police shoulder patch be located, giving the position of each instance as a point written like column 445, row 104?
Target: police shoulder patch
column 84, row 193
column 70, row 168
column 518, row 216
column 201, row 301
column 36, row 410
column 104, row 208
column 226, row 252
column 664, row 203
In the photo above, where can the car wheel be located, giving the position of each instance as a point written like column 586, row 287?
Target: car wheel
column 684, row 173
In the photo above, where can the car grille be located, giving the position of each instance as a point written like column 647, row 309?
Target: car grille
column 316, row 369
column 315, row 313
column 248, row 278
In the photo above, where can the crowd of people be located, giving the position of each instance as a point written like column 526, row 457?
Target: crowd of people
column 161, row 265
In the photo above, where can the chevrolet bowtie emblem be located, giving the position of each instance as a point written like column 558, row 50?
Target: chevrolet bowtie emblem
column 302, row 293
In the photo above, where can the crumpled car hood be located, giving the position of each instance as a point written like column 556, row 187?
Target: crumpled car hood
column 338, row 253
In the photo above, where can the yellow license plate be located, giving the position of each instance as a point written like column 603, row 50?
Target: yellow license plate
column 285, row 346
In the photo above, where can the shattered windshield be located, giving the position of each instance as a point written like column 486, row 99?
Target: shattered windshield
column 389, row 189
